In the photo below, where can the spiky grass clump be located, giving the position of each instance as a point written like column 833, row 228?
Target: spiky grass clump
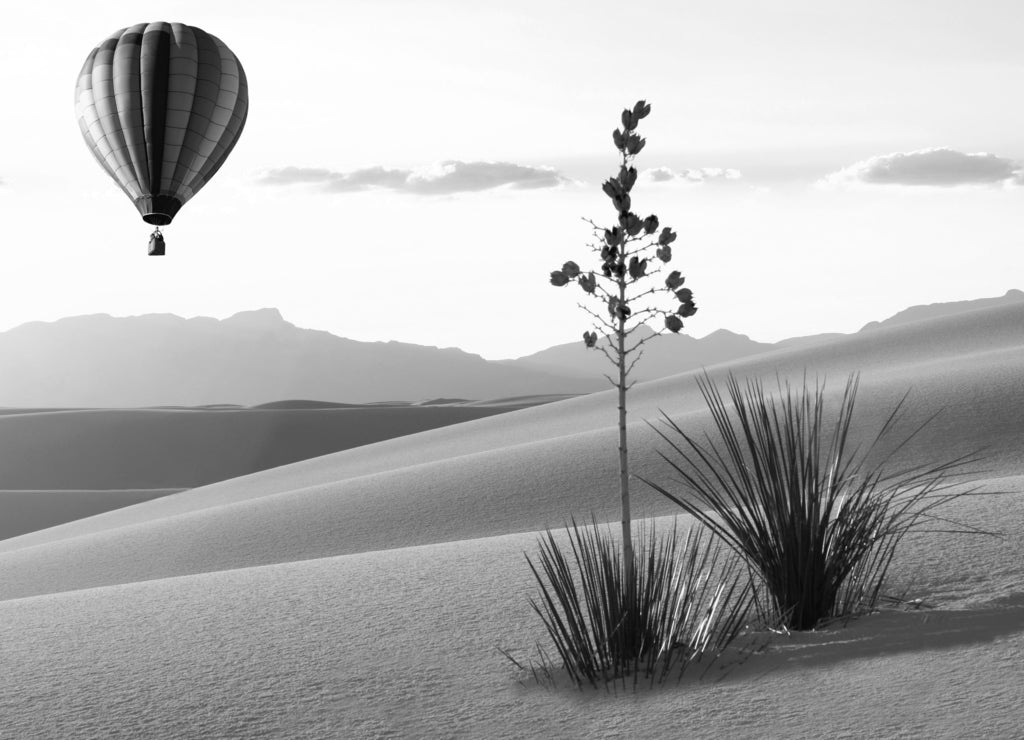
column 817, row 519
column 683, row 606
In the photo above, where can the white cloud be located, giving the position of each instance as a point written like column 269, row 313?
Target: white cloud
column 939, row 167
column 444, row 178
column 699, row 175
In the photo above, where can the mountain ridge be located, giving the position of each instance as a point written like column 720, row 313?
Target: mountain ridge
column 256, row 356
column 723, row 345
column 250, row 358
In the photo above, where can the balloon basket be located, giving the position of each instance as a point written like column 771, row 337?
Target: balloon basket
column 156, row 244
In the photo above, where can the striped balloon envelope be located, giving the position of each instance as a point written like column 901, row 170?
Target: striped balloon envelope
column 161, row 105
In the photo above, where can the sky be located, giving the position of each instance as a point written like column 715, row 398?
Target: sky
column 413, row 170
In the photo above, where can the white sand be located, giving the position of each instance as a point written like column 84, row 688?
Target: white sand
column 187, row 447
column 24, row 511
column 402, row 644
column 151, row 621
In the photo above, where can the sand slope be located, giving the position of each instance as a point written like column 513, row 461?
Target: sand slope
column 188, row 447
column 517, row 472
column 30, row 511
column 402, row 644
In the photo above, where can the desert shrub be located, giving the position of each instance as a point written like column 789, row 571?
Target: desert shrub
column 817, row 518
column 684, row 604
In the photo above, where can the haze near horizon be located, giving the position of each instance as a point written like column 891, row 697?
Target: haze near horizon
column 259, row 357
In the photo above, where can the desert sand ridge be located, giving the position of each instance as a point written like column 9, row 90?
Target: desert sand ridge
column 186, row 448
column 30, row 510
column 75, row 461
column 939, row 310
column 516, row 472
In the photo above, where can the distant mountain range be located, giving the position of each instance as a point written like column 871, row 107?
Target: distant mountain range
column 671, row 354
column 256, row 357
column 664, row 355
column 251, row 358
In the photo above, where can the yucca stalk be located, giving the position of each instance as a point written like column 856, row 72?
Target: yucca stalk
column 604, row 606
column 631, row 253
column 680, row 605
column 817, row 519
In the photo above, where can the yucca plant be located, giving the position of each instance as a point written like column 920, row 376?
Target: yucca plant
column 684, row 603
column 817, row 518
column 631, row 253
column 623, row 614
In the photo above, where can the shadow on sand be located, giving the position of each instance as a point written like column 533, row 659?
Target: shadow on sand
column 886, row 633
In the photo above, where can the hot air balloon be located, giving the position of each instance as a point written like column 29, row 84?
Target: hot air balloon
column 161, row 105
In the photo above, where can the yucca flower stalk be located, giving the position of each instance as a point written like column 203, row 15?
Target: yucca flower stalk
column 631, row 253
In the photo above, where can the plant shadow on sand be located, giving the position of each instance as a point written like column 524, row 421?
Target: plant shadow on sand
column 760, row 655
column 534, row 677
column 885, row 633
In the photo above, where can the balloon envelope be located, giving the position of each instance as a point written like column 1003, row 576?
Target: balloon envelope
column 161, row 105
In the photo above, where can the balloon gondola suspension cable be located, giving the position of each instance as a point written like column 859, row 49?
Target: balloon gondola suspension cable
column 156, row 243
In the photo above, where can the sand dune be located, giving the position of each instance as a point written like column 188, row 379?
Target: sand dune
column 517, row 472
column 30, row 511
column 364, row 593
column 402, row 643
column 187, row 447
